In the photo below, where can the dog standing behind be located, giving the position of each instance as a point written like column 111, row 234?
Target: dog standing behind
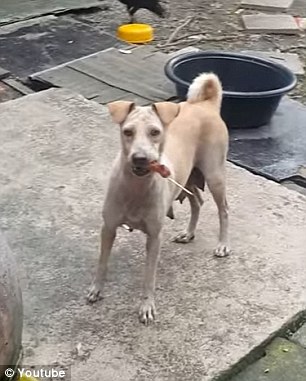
column 191, row 139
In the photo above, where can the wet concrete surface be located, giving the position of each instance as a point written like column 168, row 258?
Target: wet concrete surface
column 283, row 361
column 48, row 42
column 277, row 150
column 12, row 11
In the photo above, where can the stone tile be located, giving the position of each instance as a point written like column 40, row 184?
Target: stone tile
column 293, row 186
column 263, row 23
column 284, row 361
column 300, row 336
column 267, row 5
column 302, row 171
column 18, row 86
column 4, row 73
column 7, row 93
column 290, row 60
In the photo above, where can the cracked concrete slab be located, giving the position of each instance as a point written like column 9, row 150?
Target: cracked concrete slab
column 300, row 336
column 56, row 150
column 265, row 23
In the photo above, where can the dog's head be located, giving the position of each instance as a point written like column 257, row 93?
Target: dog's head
column 143, row 131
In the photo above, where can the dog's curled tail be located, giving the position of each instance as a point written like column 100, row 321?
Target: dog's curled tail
column 205, row 86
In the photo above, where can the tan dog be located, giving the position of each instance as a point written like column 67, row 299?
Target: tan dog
column 191, row 139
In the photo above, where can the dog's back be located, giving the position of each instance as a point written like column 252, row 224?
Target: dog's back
column 198, row 125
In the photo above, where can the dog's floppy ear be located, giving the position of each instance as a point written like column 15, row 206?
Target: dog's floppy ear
column 166, row 111
column 119, row 110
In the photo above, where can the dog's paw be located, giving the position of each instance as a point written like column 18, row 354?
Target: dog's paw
column 184, row 237
column 94, row 294
column 222, row 251
column 147, row 312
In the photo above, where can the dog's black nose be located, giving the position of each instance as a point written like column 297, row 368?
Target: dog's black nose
column 139, row 160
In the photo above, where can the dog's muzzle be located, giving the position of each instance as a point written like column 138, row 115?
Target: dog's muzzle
column 140, row 164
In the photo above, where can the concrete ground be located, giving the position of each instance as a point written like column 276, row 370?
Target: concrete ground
column 56, row 150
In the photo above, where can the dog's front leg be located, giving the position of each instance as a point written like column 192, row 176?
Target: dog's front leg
column 107, row 239
column 147, row 310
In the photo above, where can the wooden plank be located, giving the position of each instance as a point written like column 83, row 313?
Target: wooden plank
column 103, row 99
column 110, row 94
column 127, row 72
column 153, row 62
column 18, row 86
column 74, row 80
column 81, row 83
column 142, row 65
column 138, row 100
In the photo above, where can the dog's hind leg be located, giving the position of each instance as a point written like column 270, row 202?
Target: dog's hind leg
column 212, row 165
column 216, row 185
column 196, row 202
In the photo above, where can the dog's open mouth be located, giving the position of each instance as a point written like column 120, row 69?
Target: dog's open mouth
column 140, row 171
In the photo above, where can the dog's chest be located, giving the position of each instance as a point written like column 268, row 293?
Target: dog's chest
column 135, row 212
column 143, row 211
column 136, row 224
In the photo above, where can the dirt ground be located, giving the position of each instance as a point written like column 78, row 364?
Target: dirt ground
column 216, row 25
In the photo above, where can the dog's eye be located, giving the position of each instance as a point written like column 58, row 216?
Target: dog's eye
column 128, row 133
column 155, row 132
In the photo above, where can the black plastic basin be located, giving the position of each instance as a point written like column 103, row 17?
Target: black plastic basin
column 252, row 87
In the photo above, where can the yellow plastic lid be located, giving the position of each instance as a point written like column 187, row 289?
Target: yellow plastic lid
column 135, row 33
